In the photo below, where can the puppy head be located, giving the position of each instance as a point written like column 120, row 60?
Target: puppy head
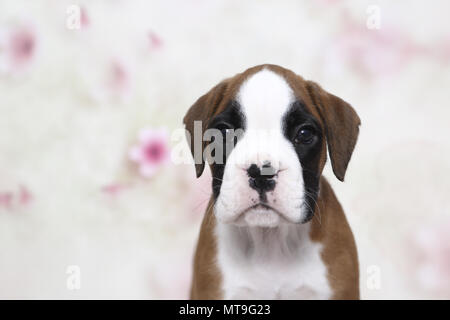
column 265, row 133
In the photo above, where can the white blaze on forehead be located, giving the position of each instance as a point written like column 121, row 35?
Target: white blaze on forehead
column 264, row 98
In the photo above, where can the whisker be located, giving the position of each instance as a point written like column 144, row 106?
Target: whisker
column 313, row 197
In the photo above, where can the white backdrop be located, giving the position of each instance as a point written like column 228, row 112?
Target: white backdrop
column 74, row 203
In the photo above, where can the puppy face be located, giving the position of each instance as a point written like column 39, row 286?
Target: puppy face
column 275, row 127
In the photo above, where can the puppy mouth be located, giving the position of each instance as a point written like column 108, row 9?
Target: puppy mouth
column 260, row 206
column 264, row 207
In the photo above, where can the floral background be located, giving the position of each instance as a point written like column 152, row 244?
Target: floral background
column 91, row 92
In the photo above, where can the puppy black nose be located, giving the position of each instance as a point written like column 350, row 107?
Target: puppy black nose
column 261, row 179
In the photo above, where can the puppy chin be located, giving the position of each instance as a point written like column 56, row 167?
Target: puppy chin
column 261, row 218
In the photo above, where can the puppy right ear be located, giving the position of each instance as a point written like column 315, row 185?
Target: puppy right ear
column 197, row 119
column 341, row 126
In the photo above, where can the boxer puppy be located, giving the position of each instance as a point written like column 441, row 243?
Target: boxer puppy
column 274, row 228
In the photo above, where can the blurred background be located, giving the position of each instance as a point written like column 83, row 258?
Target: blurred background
column 91, row 91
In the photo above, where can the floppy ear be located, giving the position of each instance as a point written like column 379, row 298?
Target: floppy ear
column 201, row 112
column 341, row 126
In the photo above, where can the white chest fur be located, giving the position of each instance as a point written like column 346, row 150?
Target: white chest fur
column 271, row 263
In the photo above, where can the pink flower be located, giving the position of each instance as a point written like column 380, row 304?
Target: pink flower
column 84, row 18
column 114, row 189
column 25, row 196
column 374, row 52
column 371, row 52
column 17, row 48
column 152, row 152
column 115, row 82
column 11, row 200
column 6, row 199
column 155, row 41
column 119, row 81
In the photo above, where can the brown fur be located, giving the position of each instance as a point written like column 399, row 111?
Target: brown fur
column 329, row 225
column 206, row 278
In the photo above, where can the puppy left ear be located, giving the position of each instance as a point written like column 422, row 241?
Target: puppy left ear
column 202, row 111
column 341, row 126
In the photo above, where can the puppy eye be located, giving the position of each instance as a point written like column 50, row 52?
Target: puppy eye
column 305, row 135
